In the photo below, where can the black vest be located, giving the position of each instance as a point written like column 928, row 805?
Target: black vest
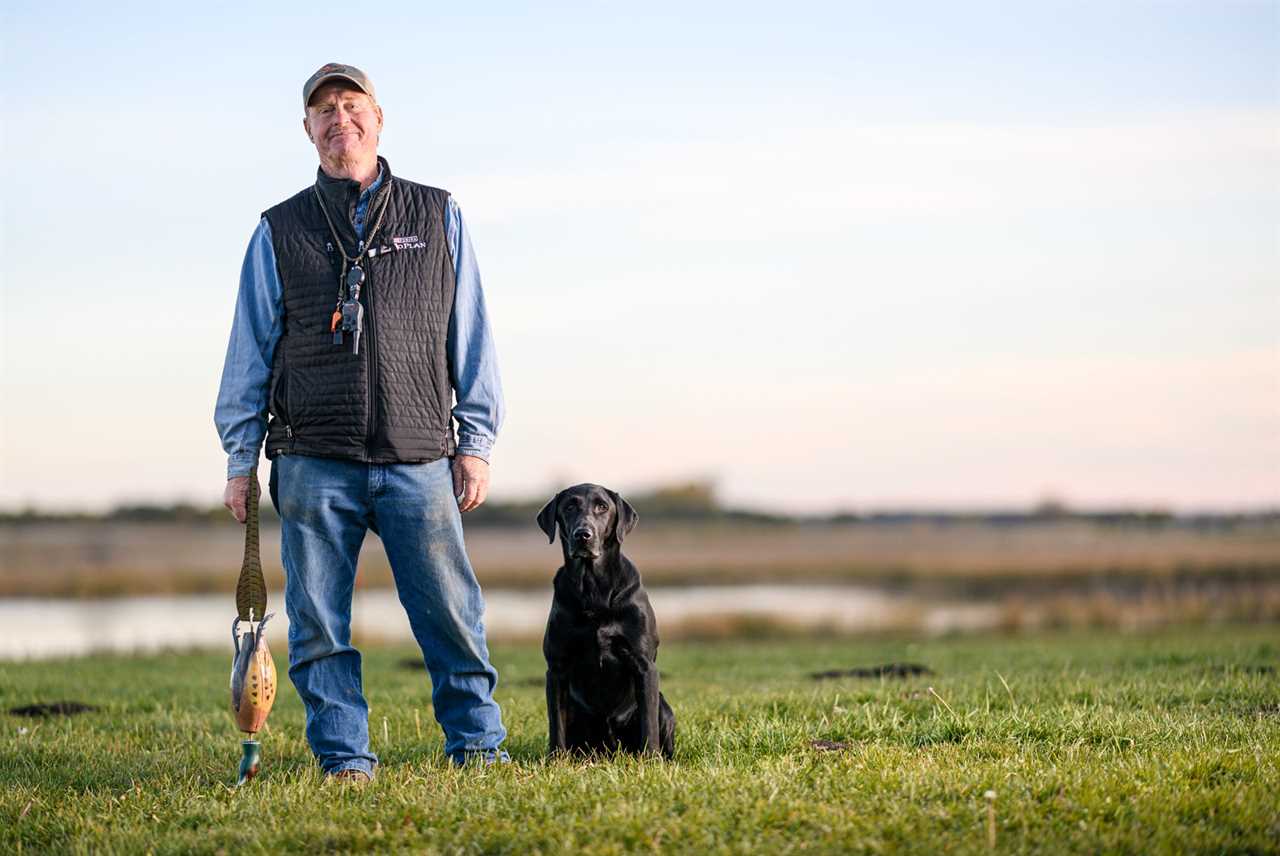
column 392, row 402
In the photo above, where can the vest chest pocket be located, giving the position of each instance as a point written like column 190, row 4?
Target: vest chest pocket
column 309, row 257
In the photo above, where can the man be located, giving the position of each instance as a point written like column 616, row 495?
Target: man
column 359, row 319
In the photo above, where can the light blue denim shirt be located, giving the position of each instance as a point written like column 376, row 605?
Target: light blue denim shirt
column 241, row 410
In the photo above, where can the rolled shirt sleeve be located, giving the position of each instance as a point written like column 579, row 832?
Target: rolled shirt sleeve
column 473, row 363
column 241, row 410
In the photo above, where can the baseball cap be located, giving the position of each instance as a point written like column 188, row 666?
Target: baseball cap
column 336, row 71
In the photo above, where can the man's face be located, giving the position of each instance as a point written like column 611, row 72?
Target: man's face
column 343, row 122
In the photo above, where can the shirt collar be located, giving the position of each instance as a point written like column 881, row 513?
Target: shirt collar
column 377, row 182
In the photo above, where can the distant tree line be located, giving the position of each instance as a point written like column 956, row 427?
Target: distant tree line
column 696, row 502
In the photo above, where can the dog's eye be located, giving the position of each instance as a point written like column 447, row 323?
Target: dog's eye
column 601, row 508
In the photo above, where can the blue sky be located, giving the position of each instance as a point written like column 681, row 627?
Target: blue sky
column 829, row 255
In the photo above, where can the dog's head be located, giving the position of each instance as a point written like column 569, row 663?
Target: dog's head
column 590, row 518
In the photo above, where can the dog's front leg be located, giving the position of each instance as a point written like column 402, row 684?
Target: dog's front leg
column 557, row 712
column 647, row 693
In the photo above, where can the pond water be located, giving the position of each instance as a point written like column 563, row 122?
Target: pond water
column 36, row 628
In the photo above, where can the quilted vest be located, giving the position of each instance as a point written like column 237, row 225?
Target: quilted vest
column 391, row 402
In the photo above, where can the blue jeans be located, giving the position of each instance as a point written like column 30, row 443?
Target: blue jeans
column 326, row 506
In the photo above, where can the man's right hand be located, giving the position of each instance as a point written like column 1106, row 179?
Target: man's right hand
column 236, row 497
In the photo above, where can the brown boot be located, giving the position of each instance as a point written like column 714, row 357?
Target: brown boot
column 350, row 776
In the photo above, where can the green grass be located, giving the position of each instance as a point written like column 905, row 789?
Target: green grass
column 1100, row 742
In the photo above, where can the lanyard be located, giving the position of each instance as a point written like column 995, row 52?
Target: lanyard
column 350, row 285
column 348, row 314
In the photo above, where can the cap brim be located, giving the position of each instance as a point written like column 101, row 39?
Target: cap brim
column 337, row 75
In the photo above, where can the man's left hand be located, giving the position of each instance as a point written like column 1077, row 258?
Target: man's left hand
column 470, row 481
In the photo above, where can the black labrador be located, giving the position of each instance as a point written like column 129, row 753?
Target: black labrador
column 601, row 643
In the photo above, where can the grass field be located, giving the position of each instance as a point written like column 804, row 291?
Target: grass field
column 1097, row 742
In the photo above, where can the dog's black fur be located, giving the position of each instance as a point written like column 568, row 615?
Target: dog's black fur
column 601, row 642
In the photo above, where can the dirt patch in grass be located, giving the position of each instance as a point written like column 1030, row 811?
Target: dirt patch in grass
column 888, row 670
column 1254, row 670
column 43, row 709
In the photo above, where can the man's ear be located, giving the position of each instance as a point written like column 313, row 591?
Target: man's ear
column 627, row 517
column 306, row 126
column 547, row 518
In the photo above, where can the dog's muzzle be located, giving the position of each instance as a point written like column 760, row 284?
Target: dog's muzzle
column 583, row 542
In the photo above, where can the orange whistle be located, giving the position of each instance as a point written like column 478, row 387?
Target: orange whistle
column 333, row 325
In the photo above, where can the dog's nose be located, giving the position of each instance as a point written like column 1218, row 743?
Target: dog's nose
column 582, row 534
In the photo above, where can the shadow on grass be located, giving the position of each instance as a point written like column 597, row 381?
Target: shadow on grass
column 67, row 771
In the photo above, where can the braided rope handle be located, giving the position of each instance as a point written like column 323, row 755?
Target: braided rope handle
column 251, row 590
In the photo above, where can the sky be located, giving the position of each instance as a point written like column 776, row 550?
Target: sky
column 825, row 255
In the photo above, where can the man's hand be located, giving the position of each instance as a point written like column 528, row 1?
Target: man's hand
column 236, row 497
column 470, row 481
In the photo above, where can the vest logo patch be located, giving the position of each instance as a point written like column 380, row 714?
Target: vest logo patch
column 408, row 242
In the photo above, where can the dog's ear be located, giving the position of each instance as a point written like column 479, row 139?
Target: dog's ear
column 547, row 518
column 627, row 517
